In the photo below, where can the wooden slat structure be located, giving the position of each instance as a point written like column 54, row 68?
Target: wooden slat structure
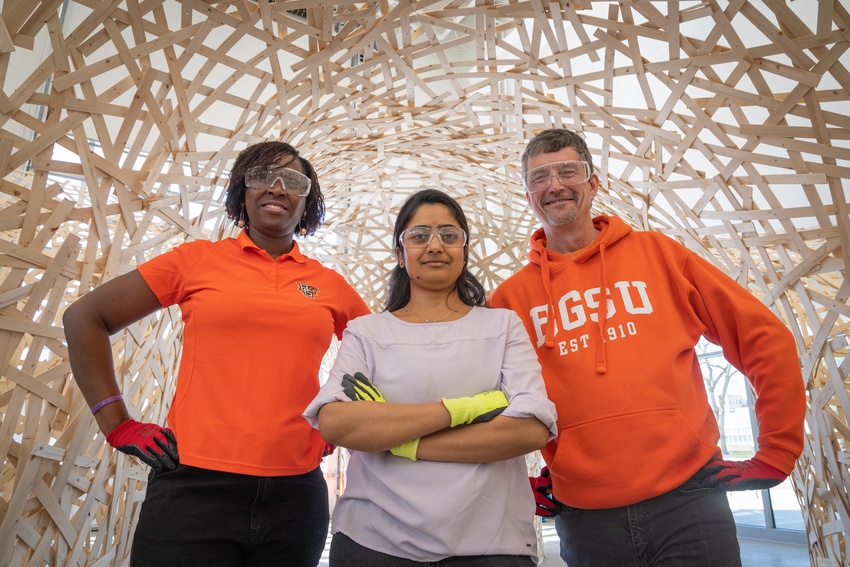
column 724, row 124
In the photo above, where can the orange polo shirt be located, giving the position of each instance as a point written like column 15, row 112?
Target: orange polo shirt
column 255, row 331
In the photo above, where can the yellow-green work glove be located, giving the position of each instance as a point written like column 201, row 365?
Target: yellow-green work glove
column 360, row 388
column 476, row 409
column 406, row 450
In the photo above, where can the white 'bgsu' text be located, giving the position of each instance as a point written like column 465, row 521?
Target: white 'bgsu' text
column 575, row 308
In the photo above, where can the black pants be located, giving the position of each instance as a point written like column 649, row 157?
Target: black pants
column 345, row 552
column 197, row 517
column 689, row 526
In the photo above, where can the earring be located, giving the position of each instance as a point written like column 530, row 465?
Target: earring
column 241, row 222
column 303, row 231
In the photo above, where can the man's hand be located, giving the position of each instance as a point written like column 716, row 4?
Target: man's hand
column 153, row 445
column 475, row 409
column 547, row 506
column 359, row 388
column 753, row 474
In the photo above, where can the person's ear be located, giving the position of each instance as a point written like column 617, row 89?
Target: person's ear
column 594, row 185
column 399, row 254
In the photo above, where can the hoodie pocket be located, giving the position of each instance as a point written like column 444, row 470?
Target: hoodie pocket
column 625, row 451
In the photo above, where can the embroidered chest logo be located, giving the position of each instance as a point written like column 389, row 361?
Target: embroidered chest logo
column 308, row 290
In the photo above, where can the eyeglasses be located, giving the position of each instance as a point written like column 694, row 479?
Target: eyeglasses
column 568, row 173
column 264, row 177
column 420, row 236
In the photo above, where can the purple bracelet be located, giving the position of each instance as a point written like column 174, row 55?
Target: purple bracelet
column 102, row 403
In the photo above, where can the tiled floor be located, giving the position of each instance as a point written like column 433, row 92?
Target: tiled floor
column 758, row 553
column 755, row 553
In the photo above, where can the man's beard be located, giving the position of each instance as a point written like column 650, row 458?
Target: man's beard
column 560, row 217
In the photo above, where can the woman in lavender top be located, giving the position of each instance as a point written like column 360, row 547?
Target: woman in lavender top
column 438, row 398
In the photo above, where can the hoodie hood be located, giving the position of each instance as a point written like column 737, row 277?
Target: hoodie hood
column 611, row 230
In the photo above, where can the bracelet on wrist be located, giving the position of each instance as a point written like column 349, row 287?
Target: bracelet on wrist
column 99, row 405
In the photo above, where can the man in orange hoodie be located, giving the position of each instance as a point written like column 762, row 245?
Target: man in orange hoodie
column 636, row 472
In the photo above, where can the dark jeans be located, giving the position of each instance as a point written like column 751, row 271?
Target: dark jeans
column 690, row 526
column 345, row 552
column 193, row 517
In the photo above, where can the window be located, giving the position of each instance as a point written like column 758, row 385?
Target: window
column 756, row 511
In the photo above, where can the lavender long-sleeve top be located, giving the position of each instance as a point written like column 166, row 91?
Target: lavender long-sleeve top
column 425, row 510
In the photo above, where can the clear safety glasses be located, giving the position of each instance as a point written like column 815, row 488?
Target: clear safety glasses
column 420, row 236
column 568, row 173
column 264, row 177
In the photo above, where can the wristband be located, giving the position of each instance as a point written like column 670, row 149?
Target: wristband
column 97, row 407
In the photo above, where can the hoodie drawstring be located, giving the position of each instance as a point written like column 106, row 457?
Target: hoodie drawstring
column 602, row 311
column 602, row 317
column 549, row 333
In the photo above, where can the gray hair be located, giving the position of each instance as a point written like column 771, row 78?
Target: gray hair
column 555, row 140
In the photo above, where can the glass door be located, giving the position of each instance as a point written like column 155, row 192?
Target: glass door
column 732, row 401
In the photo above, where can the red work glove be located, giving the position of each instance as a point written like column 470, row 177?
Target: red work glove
column 541, row 485
column 153, row 445
column 753, row 474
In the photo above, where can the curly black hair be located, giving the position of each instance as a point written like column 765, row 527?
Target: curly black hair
column 269, row 153
column 469, row 289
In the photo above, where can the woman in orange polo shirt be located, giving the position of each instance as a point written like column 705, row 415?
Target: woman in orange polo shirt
column 235, row 477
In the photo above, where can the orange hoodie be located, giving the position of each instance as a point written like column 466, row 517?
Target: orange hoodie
column 633, row 415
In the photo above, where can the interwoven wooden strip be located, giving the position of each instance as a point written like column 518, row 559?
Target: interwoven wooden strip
column 725, row 125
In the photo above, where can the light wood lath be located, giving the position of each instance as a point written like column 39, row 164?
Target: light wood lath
column 724, row 124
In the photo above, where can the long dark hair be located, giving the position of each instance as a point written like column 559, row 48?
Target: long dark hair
column 469, row 289
column 268, row 153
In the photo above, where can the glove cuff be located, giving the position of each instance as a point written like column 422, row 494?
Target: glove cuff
column 457, row 409
column 406, row 450
column 119, row 429
column 473, row 409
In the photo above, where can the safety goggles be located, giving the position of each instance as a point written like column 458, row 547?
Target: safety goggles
column 264, row 177
column 568, row 173
column 420, row 236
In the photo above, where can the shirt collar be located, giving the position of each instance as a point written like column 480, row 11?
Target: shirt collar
column 245, row 242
